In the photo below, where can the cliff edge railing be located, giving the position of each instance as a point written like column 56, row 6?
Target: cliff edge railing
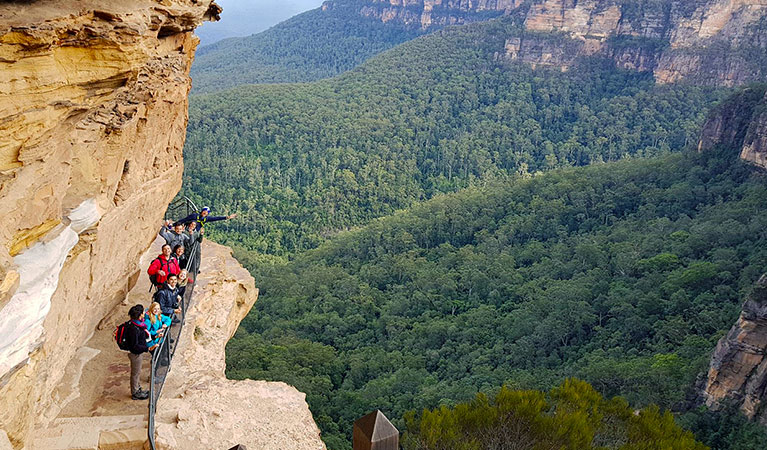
column 163, row 355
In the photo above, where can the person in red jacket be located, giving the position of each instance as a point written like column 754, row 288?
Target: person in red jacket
column 162, row 266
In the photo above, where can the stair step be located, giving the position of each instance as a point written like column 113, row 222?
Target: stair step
column 82, row 440
column 130, row 439
column 93, row 433
column 94, row 423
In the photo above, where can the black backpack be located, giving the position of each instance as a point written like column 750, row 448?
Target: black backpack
column 121, row 335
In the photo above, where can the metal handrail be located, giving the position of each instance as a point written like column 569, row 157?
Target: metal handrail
column 163, row 355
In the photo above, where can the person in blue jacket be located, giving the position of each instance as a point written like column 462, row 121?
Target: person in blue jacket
column 156, row 323
column 203, row 217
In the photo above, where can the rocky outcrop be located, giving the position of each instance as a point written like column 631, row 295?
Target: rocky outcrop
column 199, row 407
column 740, row 123
column 93, row 111
column 711, row 42
column 738, row 371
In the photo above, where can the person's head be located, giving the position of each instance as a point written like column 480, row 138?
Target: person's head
column 166, row 250
column 178, row 228
column 136, row 312
column 178, row 250
column 182, row 276
column 204, row 211
column 154, row 312
column 192, row 226
column 172, row 280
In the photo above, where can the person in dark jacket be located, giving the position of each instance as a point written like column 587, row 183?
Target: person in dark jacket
column 162, row 266
column 193, row 240
column 175, row 236
column 179, row 252
column 169, row 296
column 203, row 217
column 137, row 337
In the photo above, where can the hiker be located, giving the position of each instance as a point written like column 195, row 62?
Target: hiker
column 175, row 236
column 179, row 254
column 168, row 297
column 193, row 240
column 162, row 266
column 137, row 338
column 203, row 217
column 183, row 281
column 156, row 323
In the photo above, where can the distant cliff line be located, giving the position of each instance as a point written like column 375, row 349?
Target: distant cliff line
column 706, row 42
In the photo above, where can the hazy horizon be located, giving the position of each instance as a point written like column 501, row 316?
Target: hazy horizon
column 246, row 17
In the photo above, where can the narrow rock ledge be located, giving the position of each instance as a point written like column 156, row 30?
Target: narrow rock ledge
column 199, row 407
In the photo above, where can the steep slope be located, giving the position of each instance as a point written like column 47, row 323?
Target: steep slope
column 433, row 115
column 737, row 375
column 622, row 274
column 316, row 44
column 738, row 371
column 741, row 124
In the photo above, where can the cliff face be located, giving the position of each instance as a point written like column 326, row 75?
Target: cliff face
column 738, row 371
column 199, row 407
column 712, row 42
column 740, row 124
column 93, row 111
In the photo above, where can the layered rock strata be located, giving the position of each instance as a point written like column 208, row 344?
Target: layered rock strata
column 199, row 407
column 93, row 111
column 738, row 371
column 711, row 42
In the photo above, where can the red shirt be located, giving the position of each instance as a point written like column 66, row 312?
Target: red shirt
column 162, row 263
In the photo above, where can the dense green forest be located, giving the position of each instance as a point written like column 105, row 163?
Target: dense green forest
column 300, row 162
column 310, row 46
column 572, row 416
column 622, row 274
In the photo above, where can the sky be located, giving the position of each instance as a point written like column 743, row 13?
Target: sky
column 246, row 17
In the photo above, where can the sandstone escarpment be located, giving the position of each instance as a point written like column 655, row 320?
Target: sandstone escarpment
column 711, row 42
column 738, row 371
column 740, row 123
column 199, row 407
column 93, row 111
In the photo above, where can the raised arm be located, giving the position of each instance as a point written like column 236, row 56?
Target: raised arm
column 165, row 232
column 217, row 218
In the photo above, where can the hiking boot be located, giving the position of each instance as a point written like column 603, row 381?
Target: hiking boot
column 140, row 395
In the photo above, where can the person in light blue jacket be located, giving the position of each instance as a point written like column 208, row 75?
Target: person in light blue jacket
column 156, row 323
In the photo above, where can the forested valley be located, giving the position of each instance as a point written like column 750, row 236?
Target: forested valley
column 622, row 274
column 437, row 114
column 438, row 223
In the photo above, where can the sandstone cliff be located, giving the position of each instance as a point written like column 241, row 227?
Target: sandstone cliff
column 93, row 111
column 738, row 371
column 199, row 407
column 712, row 42
column 740, row 123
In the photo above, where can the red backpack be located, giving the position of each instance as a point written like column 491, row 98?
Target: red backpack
column 121, row 335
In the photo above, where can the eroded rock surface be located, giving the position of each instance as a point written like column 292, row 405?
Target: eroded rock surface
column 199, row 407
column 738, row 371
column 93, row 112
column 712, row 42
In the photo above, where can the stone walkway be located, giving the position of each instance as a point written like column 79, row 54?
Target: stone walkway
column 94, row 406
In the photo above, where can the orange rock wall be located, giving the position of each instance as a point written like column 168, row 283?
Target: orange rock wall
column 93, row 112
